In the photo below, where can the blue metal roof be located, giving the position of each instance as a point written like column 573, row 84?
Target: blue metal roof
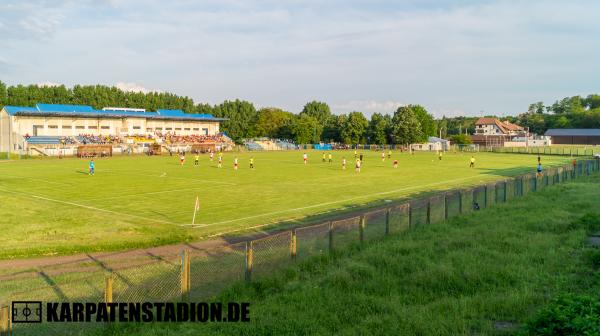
column 64, row 108
column 88, row 111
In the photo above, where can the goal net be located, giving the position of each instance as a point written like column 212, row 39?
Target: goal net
column 467, row 148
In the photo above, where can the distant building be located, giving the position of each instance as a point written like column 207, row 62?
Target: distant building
column 574, row 136
column 491, row 132
column 433, row 144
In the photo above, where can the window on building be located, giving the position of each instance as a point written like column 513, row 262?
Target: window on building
column 105, row 127
column 79, row 127
column 92, row 127
column 52, row 126
column 168, row 129
column 178, row 128
column 148, row 129
column 66, row 127
column 196, row 129
column 186, row 129
column 136, row 127
column 159, row 128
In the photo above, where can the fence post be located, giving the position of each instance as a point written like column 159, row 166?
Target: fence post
column 361, row 228
column 330, row 237
column 410, row 224
column 5, row 321
column 428, row 211
column 460, row 205
column 445, row 207
column 108, row 290
column 249, row 260
column 185, row 275
column 293, row 243
column 387, row 221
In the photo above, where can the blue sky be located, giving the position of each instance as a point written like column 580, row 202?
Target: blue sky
column 453, row 57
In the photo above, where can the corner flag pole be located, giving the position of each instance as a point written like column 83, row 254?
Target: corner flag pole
column 196, row 208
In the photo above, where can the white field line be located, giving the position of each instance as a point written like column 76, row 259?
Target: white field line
column 165, row 176
column 36, row 179
column 87, row 206
column 326, row 203
column 141, row 194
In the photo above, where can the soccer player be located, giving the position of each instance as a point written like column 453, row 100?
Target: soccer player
column 382, row 156
column 305, row 158
column 343, row 163
column 539, row 170
column 212, row 155
column 182, row 158
column 355, row 154
column 251, row 162
column 196, row 159
column 472, row 165
column 395, row 163
column 235, row 163
column 539, row 159
column 389, row 154
column 361, row 157
column 440, row 155
column 330, row 158
column 220, row 160
column 92, row 166
column 357, row 167
column 323, row 156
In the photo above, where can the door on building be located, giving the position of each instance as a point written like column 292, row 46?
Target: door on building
column 205, row 131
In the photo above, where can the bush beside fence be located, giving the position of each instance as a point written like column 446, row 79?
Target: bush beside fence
column 200, row 274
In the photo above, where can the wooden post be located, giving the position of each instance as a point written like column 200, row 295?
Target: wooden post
column 5, row 321
column 185, row 275
column 361, row 228
column 249, row 260
column 428, row 211
column 330, row 234
column 387, row 221
column 108, row 290
column 445, row 207
column 460, row 205
column 410, row 224
column 293, row 248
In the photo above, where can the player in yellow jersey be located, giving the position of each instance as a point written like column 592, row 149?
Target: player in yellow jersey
column 251, row 162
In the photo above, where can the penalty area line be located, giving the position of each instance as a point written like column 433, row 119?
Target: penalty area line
column 197, row 226
column 87, row 207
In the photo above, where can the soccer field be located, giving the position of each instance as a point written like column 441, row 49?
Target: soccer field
column 52, row 206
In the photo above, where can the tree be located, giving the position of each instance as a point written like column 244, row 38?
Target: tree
column 428, row 126
column 241, row 117
column 405, row 126
column 203, row 109
column 460, row 139
column 320, row 111
column 305, row 129
column 354, row 129
column 536, row 108
column 3, row 96
column 378, row 129
column 270, row 121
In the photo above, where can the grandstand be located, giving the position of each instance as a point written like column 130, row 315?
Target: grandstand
column 53, row 129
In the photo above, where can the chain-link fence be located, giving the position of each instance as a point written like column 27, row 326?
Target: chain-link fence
column 198, row 274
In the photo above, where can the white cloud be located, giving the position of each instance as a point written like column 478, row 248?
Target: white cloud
column 48, row 84
column 133, row 87
column 367, row 106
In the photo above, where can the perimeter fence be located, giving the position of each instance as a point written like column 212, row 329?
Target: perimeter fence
column 198, row 274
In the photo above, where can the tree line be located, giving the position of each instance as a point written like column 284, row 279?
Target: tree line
column 569, row 112
column 315, row 123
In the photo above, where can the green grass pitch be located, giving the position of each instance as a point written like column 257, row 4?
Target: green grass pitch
column 52, row 206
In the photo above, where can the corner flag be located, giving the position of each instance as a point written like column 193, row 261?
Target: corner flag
column 196, row 208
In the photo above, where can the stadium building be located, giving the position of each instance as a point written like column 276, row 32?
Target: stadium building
column 46, row 127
